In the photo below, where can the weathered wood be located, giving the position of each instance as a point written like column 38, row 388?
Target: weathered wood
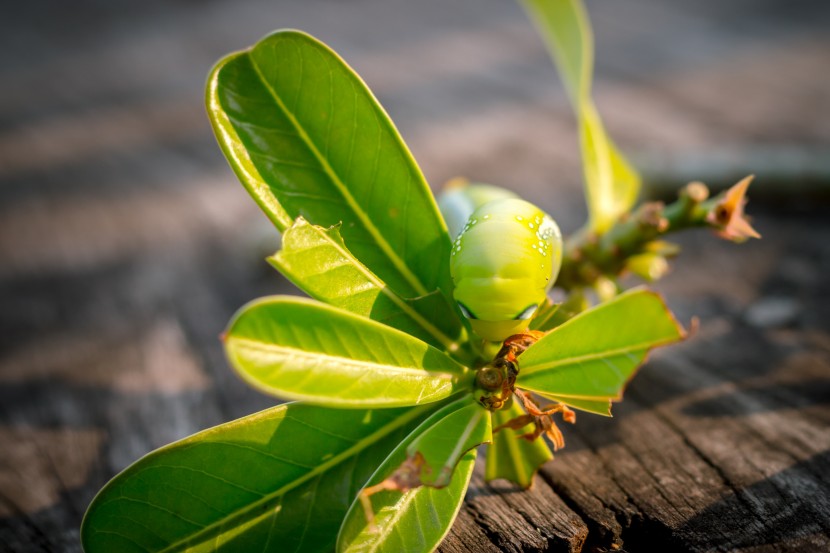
column 126, row 245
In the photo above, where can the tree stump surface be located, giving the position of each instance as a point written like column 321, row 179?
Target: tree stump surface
column 126, row 244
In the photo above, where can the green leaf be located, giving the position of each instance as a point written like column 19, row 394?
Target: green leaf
column 278, row 480
column 442, row 444
column 551, row 315
column 414, row 521
column 593, row 355
column 611, row 183
column 597, row 407
column 418, row 519
column 511, row 457
column 297, row 348
column 318, row 262
column 307, row 138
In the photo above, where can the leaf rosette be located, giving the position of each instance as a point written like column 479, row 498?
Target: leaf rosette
column 380, row 364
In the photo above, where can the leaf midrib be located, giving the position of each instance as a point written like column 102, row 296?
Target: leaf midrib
column 524, row 371
column 519, row 467
column 448, row 343
column 392, row 522
column 298, row 352
column 360, row 445
column 461, row 442
column 373, row 231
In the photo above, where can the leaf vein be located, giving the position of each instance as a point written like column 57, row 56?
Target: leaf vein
column 380, row 241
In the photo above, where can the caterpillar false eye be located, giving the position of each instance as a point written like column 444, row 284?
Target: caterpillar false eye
column 527, row 314
column 503, row 262
column 466, row 312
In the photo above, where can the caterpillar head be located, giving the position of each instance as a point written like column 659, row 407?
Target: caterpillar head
column 503, row 263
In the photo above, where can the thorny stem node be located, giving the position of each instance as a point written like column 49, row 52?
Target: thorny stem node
column 633, row 242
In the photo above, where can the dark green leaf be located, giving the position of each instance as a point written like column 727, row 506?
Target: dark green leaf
column 317, row 261
column 307, row 138
column 278, row 480
column 593, row 355
column 297, row 348
column 512, row 457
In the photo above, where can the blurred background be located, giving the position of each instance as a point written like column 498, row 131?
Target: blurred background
column 126, row 243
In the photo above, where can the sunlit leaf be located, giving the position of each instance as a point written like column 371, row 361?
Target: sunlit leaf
column 307, row 138
column 298, row 348
column 317, row 261
column 512, row 457
column 611, row 183
column 597, row 407
column 593, row 355
column 414, row 521
column 418, row 519
column 441, row 445
column 278, row 480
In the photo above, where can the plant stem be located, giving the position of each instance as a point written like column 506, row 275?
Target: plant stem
column 590, row 258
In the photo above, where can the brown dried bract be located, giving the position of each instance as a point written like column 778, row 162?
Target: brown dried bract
column 542, row 420
column 728, row 214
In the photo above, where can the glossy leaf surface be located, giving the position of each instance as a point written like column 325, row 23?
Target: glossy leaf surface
column 278, row 480
column 307, row 138
column 413, row 521
column 597, row 407
column 611, row 183
column 593, row 355
column 511, row 457
column 416, row 520
column 442, row 444
column 297, row 348
column 318, row 262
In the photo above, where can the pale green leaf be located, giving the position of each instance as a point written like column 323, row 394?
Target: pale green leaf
column 442, row 444
column 317, row 261
column 593, row 355
column 418, row 519
column 297, row 348
column 414, row 521
column 277, row 481
column 611, row 183
column 307, row 138
column 512, row 457
column 597, row 407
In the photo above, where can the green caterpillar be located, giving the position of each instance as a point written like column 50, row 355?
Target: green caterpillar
column 504, row 259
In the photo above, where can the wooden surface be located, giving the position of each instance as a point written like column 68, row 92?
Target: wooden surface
column 126, row 244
